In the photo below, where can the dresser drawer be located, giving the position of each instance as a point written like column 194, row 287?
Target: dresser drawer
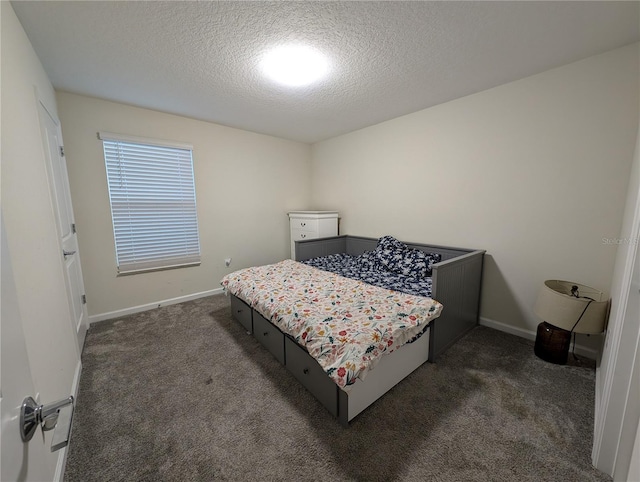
column 305, row 224
column 311, row 375
column 269, row 336
column 242, row 312
column 299, row 235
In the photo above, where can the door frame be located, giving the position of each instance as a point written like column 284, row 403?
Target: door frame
column 615, row 401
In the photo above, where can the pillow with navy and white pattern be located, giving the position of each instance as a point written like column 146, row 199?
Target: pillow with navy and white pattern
column 396, row 256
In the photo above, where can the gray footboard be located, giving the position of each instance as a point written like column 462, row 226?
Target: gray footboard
column 457, row 282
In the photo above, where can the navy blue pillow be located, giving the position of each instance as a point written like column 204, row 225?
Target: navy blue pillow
column 396, row 256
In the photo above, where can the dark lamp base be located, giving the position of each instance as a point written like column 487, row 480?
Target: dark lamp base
column 552, row 343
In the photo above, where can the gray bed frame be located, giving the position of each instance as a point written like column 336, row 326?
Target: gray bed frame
column 457, row 282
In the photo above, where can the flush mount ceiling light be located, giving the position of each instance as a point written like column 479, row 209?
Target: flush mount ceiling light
column 294, row 65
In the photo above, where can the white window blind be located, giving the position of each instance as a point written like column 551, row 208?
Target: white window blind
column 153, row 203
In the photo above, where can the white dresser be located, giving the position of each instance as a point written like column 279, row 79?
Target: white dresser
column 311, row 225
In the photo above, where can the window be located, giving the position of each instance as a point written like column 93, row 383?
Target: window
column 153, row 203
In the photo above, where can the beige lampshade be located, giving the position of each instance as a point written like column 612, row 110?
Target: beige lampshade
column 557, row 306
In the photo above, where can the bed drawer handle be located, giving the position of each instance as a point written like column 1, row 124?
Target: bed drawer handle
column 305, row 371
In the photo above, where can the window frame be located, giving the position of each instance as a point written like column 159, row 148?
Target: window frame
column 136, row 248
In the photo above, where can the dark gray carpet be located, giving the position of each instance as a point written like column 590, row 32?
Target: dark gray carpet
column 182, row 393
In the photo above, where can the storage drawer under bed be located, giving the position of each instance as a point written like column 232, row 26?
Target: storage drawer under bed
column 242, row 312
column 269, row 336
column 311, row 375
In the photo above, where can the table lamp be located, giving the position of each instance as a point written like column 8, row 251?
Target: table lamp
column 565, row 308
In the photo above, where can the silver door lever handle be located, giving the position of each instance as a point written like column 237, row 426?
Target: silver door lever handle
column 68, row 253
column 56, row 415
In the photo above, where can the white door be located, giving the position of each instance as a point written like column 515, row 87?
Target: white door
column 18, row 461
column 59, row 184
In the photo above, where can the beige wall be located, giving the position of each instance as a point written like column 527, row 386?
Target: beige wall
column 245, row 184
column 534, row 171
column 35, row 252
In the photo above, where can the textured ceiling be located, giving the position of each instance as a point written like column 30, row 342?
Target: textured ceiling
column 200, row 59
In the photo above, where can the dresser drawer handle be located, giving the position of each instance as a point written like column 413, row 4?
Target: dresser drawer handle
column 305, row 371
column 266, row 333
column 303, row 224
column 303, row 236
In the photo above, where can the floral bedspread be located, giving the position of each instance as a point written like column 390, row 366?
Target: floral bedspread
column 346, row 325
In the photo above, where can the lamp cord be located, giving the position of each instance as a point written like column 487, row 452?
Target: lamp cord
column 573, row 350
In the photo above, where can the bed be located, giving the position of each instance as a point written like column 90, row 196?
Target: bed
column 347, row 341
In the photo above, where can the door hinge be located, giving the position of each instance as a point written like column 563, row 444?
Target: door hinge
column 61, row 151
column 84, row 299
column 73, row 228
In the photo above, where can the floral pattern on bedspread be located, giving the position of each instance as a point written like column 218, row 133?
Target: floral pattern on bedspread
column 365, row 268
column 345, row 324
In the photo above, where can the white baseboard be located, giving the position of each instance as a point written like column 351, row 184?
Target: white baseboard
column 531, row 335
column 62, row 454
column 150, row 306
column 496, row 325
